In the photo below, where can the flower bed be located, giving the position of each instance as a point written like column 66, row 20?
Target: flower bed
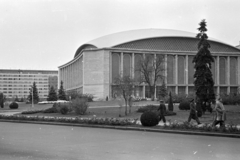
column 204, row 128
column 233, row 129
column 93, row 120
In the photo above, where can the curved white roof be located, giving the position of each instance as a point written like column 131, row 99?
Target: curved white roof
column 119, row 38
column 127, row 36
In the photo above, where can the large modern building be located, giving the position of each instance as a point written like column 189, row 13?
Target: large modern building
column 16, row 83
column 97, row 63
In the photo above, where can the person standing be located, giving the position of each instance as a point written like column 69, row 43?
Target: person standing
column 220, row 113
column 193, row 112
column 162, row 111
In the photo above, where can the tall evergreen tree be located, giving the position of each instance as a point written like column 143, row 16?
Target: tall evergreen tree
column 170, row 102
column 61, row 92
column 52, row 95
column 1, row 100
column 203, row 79
column 33, row 90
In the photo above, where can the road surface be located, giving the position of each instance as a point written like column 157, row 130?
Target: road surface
column 48, row 142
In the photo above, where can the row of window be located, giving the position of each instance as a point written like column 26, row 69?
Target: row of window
column 180, row 74
column 19, row 75
column 22, row 79
column 24, row 96
column 2, row 83
column 38, row 85
column 21, row 88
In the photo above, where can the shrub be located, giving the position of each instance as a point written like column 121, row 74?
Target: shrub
column 231, row 99
column 79, row 105
column 1, row 100
column 56, row 106
column 50, row 110
column 13, row 105
column 178, row 98
column 154, row 108
column 170, row 102
column 184, row 105
column 75, row 95
column 64, row 109
column 149, row 118
column 32, row 112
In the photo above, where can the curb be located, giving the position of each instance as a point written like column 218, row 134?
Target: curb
column 128, row 128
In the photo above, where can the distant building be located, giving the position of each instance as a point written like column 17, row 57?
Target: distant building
column 16, row 83
column 97, row 63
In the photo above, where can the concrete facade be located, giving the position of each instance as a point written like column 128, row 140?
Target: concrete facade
column 95, row 64
column 16, row 83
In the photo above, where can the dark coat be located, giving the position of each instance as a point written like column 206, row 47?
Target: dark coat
column 162, row 109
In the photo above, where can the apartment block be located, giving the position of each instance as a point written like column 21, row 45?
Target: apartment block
column 17, row 83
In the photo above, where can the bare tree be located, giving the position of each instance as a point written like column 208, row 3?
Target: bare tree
column 151, row 69
column 125, row 87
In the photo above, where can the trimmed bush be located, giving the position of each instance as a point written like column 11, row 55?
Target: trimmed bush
column 178, row 98
column 149, row 119
column 185, row 105
column 79, row 105
column 50, row 110
column 170, row 102
column 13, row 105
column 88, row 97
column 231, row 99
column 154, row 108
column 64, row 109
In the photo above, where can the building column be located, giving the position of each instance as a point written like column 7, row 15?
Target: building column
column 133, row 65
column 65, row 78
column 144, row 82
column 165, row 68
column 71, row 77
column 121, row 67
column 78, row 72
column 176, row 74
column 186, row 74
column 155, row 87
column 59, row 76
column 67, row 75
column 83, row 81
column 218, row 76
column 238, row 74
column 228, row 75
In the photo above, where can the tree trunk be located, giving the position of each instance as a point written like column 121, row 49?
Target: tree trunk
column 152, row 91
column 130, row 104
column 125, row 107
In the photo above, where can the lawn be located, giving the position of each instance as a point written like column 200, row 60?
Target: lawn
column 112, row 109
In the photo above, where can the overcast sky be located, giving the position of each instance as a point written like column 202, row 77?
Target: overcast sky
column 44, row 34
